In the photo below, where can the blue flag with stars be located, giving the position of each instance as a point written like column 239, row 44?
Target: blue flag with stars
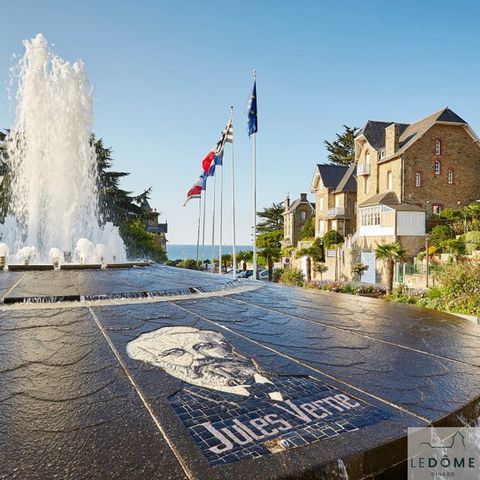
column 252, row 111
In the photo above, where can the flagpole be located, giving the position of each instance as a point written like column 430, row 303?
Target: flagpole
column 213, row 218
column 254, row 197
column 221, row 222
column 234, row 253
column 203, row 227
column 198, row 227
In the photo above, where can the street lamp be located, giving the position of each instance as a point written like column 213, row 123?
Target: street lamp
column 427, row 257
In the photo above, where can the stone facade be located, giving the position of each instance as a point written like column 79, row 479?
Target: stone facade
column 335, row 189
column 296, row 215
column 407, row 173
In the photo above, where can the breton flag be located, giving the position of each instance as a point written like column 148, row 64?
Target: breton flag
column 197, row 187
column 215, row 156
column 252, row 111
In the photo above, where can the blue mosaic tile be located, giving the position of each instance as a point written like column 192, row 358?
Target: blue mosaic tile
column 228, row 428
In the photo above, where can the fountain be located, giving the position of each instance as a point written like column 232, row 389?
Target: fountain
column 54, row 199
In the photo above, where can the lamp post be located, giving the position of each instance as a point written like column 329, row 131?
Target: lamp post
column 427, row 257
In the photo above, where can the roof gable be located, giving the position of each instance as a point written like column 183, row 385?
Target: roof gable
column 349, row 181
column 330, row 174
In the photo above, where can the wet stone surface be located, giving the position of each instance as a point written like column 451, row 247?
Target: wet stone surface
column 270, row 383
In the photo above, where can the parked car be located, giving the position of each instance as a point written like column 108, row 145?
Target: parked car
column 263, row 275
column 245, row 274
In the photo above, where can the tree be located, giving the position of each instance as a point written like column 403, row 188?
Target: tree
column 140, row 243
column 308, row 230
column 358, row 269
column 332, row 238
column 390, row 253
column 342, row 150
column 320, row 268
column 272, row 218
column 270, row 249
column 244, row 256
column 313, row 253
column 227, row 260
column 439, row 234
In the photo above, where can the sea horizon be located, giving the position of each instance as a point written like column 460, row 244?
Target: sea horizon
column 182, row 251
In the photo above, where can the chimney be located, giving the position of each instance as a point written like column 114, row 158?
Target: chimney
column 303, row 197
column 287, row 203
column 392, row 135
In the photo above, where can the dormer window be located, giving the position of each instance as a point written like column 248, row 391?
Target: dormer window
column 437, row 167
column 438, row 147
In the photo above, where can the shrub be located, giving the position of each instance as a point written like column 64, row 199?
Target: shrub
column 331, row 238
column 472, row 241
column 276, row 274
column 189, row 263
column 439, row 234
column 460, row 288
column 292, row 276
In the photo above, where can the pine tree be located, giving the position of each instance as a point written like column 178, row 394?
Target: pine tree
column 342, row 150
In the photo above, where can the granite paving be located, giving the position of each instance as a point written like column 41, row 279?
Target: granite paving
column 338, row 379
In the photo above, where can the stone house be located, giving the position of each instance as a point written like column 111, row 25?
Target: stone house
column 335, row 189
column 407, row 173
column 153, row 226
column 296, row 215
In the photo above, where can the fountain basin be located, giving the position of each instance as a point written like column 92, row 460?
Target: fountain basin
column 73, row 389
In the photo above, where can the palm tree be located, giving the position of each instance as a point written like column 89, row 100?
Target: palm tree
column 244, row 256
column 390, row 253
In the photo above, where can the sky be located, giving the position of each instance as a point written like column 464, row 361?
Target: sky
column 165, row 74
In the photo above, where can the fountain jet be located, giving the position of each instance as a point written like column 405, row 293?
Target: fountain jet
column 53, row 184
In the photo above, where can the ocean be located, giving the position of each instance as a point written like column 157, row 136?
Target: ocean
column 181, row 252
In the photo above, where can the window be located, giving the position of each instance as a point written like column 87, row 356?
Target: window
column 437, row 209
column 321, row 203
column 382, row 154
column 337, row 201
column 389, row 180
column 437, row 167
column 367, row 184
column 303, row 216
column 367, row 158
column 438, row 147
column 450, row 177
column 370, row 216
column 418, row 179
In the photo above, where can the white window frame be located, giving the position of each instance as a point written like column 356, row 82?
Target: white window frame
column 450, row 177
column 389, row 180
column 437, row 167
column 418, row 179
column 367, row 158
column 438, row 147
column 367, row 185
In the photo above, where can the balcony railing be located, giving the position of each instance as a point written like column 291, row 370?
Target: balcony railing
column 337, row 211
column 363, row 169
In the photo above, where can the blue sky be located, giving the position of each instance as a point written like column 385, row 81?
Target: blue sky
column 166, row 73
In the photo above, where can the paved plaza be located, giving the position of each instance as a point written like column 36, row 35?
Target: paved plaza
column 160, row 372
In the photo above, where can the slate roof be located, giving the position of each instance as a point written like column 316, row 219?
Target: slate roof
column 374, row 131
column 387, row 198
column 297, row 202
column 331, row 174
column 349, row 181
column 390, row 199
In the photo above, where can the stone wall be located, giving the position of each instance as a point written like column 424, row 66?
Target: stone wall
column 459, row 154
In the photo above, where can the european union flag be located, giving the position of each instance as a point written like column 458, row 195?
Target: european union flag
column 252, row 111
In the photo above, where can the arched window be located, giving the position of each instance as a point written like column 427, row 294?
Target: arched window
column 367, row 158
column 438, row 167
column 438, row 147
column 450, row 177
